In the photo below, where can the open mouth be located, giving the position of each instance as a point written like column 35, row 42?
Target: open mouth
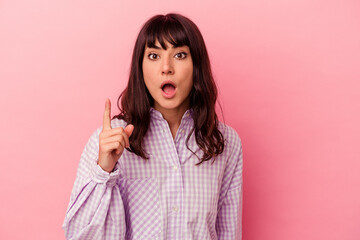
column 168, row 88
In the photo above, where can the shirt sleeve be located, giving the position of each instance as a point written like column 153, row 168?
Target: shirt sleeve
column 96, row 208
column 229, row 218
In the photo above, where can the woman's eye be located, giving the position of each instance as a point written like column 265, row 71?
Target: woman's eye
column 181, row 55
column 153, row 56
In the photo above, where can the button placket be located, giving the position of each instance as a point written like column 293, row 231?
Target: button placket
column 175, row 209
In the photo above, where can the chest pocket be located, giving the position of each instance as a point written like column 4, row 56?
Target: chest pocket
column 142, row 208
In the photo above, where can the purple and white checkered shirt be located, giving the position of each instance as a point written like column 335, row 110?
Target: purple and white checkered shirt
column 164, row 197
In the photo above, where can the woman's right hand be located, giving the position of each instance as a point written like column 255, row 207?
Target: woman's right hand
column 112, row 141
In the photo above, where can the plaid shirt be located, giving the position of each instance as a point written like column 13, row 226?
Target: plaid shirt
column 164, row 197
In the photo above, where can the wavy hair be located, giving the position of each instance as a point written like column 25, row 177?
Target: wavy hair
column 136, row 100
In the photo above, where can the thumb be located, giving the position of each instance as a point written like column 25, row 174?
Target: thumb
column 129, row 129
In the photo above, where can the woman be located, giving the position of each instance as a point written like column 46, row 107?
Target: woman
column 180, row 176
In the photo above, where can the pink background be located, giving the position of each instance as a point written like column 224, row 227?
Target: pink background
column 288, row 74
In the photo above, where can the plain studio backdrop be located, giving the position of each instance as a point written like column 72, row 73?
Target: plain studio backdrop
column 288, row 75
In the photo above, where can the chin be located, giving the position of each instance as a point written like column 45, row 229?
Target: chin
column 169, row 105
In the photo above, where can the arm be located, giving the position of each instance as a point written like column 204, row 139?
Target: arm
column 96, row 209
column 229, row 218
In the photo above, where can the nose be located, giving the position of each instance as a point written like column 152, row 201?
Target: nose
column 167, row 67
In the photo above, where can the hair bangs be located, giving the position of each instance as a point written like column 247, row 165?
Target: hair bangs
column 166, row 29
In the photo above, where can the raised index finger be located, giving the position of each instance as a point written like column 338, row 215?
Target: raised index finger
column 107, row 115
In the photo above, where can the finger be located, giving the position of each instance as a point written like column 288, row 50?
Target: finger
column 129, row 129
column 112, row 146
column 107, row 115
column 121, row 147
column 116, row 131
column 119, row 150
column 116, row 138
column 125, row 137
column 112, row 132
column 121, row 132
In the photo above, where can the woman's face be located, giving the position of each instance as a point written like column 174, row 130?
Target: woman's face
column 168, row 75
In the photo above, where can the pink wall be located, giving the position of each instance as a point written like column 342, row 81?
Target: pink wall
column 288, row 73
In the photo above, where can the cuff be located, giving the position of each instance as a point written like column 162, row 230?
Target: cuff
column 98, row 175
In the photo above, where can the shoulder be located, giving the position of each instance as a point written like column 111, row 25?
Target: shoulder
column 115, row 123
column 233, row 144
column 231, row 137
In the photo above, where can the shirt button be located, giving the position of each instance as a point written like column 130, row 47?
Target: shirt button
column 175, row 209
column 175, row 167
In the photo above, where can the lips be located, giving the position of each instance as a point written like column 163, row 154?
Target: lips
column 168, row 82
column 168, row 89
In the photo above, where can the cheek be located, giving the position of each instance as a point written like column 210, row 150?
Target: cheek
column 189, row 75
column 147, row 74
column 145, row 71
column 147, row 78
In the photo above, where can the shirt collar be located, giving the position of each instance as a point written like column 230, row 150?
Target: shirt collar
column 157, row 115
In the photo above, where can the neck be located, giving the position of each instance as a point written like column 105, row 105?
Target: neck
column 173, row 117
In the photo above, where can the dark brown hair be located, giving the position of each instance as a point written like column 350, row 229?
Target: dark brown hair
column 136, row 99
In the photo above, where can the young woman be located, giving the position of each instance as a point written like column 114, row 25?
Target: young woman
column 165, row 167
